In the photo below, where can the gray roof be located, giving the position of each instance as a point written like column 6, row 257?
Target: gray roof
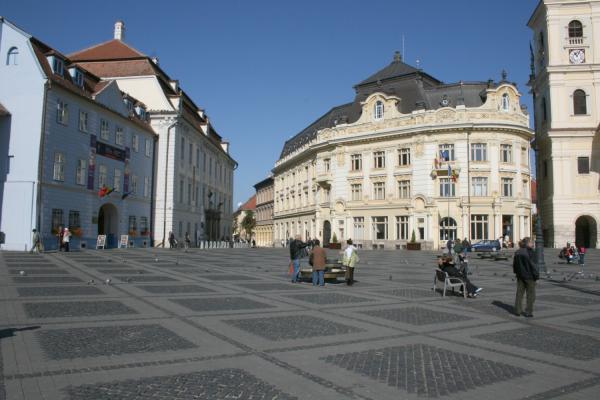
column 3, row 111
column 415, row 88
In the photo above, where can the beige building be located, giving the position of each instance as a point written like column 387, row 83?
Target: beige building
column 409, row 154
column 249, row 207
column 566, row 87
column 264, row 212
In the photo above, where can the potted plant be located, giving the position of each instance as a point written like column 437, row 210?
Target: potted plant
column 334, row 245
column 413, row 244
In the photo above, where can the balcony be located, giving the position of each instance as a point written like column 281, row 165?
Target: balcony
column 576, row 41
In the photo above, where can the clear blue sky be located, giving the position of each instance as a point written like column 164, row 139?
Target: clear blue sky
column 264, row 70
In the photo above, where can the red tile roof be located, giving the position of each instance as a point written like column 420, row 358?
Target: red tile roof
column 249, row 205
column 104, row 69
column 112, row 50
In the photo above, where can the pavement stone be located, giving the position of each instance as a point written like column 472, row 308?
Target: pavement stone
column 416, row 315
column 220, row 304
column 76, row 309
column 37, row 291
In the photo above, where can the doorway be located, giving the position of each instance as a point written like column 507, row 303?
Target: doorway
column 586, row 232
column 326, row 233
column 108, row 224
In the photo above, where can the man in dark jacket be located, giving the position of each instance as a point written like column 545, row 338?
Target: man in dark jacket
column 296, row 250
column 527, row 274
column 446, row 264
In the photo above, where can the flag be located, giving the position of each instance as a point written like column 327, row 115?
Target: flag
column 104, row 191
column 454, row 176
column 445, row 155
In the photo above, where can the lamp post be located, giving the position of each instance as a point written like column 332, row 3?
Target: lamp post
column 539, row 232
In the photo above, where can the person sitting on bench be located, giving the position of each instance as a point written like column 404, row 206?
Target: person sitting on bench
column 446, row 264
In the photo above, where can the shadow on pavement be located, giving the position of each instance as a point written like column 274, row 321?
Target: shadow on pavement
column 10, row 332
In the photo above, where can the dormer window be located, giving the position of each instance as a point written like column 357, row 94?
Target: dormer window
column 128, row 104
column 505, row 102
column 378, row 110
column 58, row 66
column 12, row 57
column 77, row 76
column 141, row 112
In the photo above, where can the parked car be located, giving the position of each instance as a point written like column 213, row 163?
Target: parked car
column 486, row 245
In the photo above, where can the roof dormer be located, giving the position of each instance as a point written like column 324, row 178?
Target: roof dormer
column 76, row 76
column 57, row 64
column 140, row 110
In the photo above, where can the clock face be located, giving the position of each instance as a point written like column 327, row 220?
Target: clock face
column 577, row 56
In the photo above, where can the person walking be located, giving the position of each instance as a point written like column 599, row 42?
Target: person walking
column 449, row 245
column 318, row 260
column 188, row 241
column 582, row 256
column 350, row 260
column 171, row 239
column 37, row 242
column 59, row 236
column 66, row 239
column 296, row 247
column 458, row 252
column 527, row 275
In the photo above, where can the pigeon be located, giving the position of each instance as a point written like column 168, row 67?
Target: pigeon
column 155, row 259
column 107, row 281
column 22, row 273
column 129, row 280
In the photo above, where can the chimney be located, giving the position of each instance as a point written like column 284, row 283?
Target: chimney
column 120, row 30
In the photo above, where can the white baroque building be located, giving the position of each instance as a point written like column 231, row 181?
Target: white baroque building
column 194, row 171
column 565, row 82
column 371, row 170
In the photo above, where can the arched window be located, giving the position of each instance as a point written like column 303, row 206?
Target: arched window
column 379, row 110
column 579, row 102
column 575, row 29
column 12, row 56
column 505, row 102
column 448, row 229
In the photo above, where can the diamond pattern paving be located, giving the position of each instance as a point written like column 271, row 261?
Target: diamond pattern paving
column 46, row 279
column 76, row 309
column 410, row 293
column 426, row 370
column 171, row 289
column 227, row 277
column 269, row 286
column 59, row 344
column 221, row 304
column 329, row 298
column 291, row 327
column 548, row 340
column 59, row 291
column 574, row 300
column 39, row 271
column 416, row 316
column 210, row 385
column 146, row 278
column 593, row 322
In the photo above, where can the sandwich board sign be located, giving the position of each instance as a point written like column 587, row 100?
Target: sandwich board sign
column 124, row 242
column 101, row 242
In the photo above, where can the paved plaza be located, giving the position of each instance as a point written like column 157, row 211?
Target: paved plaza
column 228, row 324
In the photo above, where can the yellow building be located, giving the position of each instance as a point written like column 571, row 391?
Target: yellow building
column 409, row 154
column 566, row 87
column 264, row 213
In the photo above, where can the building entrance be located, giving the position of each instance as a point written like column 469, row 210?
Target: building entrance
column 108, row 224
column 586, row 232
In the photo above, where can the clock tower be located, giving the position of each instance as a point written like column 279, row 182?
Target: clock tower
column 565, row 83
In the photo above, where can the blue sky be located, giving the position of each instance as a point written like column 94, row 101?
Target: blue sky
column 264, row 70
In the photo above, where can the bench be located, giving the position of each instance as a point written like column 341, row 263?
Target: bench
column 449, row 282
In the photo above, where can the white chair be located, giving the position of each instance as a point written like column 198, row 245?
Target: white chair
column 449, row 282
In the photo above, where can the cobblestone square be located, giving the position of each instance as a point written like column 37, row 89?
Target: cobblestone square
column 141, row 336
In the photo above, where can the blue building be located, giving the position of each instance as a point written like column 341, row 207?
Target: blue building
column 68, row 137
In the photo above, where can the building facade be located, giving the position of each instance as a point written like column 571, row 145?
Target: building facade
column 410, row 156
column 239, row 232
column 67, row 135
column 565, row 82
column 194, row 170
column 265, row 190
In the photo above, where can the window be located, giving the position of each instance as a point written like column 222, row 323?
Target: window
column 144, row 226
column 403, row 157
column 81, row 172
column 102, row 176
column 78, row 78
column 447, row 188
column 190, row 153
column 74, row 219
column 327, row 165
column 524, row 155
column 379, row 110
column 379, row 190
column 12, row 57
column 356, row 190
column 181, row 190
column 583, row 165
column 83, row 121
column 505, row 102
column 478, row 152
column 117, row 180
column 359, row 228
column 189, row 192
column 479, row 227
column 506, row 153
column 58, row 66
column 134, row 184
column 526, row 188
column 402, row 227
column 446, row 151
column 507, row 187
column 182, row 152
column 448, row 229
column 479, row 186
column 404, row 189
column 135, row 142
column 146, row 186
column 62, row 112
column 104, row 130
column 579, row 102
column 57, row 219
column 59, row 166
column 575, row 29
column 148, row 148
column 379, row 159
column 119, row 136
column 356, row 162
column 380, row 228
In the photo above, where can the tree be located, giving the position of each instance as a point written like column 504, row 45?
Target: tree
column 413, row 238
column 334, row 238
column 248, row 223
